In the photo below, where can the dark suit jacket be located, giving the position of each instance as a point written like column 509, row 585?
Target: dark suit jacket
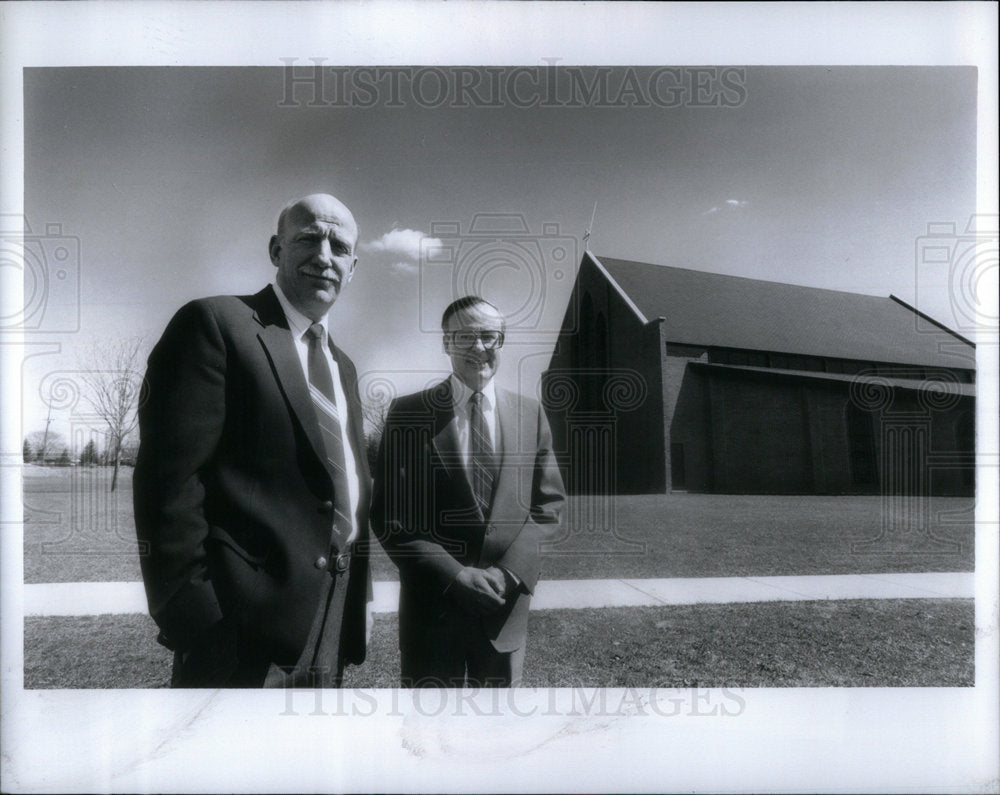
column 425, row 514
column 233, row 492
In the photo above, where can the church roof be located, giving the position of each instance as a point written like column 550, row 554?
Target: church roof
column 716, row 310
column 938, row 389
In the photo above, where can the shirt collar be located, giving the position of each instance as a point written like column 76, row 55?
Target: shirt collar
column 297, row 322
column 461, row 393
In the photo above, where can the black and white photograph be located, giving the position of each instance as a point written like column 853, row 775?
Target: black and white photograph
column 500, row 397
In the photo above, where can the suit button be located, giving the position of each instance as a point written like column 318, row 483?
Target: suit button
column 490, row 529
column 326, row 507
column 320, row 562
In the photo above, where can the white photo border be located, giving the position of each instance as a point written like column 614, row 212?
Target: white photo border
column 824, row 739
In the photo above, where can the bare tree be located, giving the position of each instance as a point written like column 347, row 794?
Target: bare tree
column 112, row 379
column 43, row 444
column 373, row 414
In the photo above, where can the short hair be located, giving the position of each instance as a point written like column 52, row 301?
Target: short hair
column 467, row 302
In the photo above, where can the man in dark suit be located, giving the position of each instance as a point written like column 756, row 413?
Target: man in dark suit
column 251, row 485
column 466, row 488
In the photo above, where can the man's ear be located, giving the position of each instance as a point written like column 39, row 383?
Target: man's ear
column 354, row 264
column 273, row 249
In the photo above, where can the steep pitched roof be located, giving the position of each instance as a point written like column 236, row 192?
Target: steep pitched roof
column 716, row 310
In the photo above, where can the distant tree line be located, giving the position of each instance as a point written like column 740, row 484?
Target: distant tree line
column 50, row 449
column 110, row 379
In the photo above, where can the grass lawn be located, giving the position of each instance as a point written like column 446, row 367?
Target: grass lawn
column 76, row 531
column 864, row 643
column 884, row 643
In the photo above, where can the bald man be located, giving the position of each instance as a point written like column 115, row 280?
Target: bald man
column 251, row 486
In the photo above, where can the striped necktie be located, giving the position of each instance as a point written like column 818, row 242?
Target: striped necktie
column 325, row 402
column 481, row 460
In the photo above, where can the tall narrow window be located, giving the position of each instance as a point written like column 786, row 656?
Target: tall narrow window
column 599, row 364
column 965, row 442
column 861, row 447
column 600, row 342
column 584, row 334
column 678, row 478
column 586, row 349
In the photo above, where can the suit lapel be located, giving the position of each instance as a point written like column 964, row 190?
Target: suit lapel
column 275, row 337
column 348, row 382
column 356, row 429
column 512, row 435
column 441, row 401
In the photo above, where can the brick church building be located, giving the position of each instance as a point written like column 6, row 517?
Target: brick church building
column 673, row 379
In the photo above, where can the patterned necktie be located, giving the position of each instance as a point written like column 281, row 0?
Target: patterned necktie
column 481, row 459
column 325, row 402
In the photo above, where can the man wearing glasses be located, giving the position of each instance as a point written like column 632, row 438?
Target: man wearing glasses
column 466, row 488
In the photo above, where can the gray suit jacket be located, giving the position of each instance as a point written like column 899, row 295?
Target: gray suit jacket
column 425, row 515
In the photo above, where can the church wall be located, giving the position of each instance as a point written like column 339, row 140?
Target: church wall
column 624, row 401
column 605, row 389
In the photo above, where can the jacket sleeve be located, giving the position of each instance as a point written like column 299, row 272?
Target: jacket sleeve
column 181, row 416
column 522, row 558
column 403, row 504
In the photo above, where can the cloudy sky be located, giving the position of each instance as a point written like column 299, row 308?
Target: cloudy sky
column 169, row 180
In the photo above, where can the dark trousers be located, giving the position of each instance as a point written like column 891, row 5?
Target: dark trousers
column 226, row 658
column 223, row 658
column 455, row 652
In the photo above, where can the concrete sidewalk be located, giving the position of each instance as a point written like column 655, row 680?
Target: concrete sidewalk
column 96, row 598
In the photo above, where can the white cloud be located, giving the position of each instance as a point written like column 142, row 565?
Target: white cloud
column 404, row 247
column 405, row 267
column 727, row 204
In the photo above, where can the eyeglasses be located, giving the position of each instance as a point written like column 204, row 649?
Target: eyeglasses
column 490, row 338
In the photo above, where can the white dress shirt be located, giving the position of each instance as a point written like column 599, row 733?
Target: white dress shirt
column 299, row 324
column 460, row 395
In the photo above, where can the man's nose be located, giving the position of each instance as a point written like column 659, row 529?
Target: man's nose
column 324, row 254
